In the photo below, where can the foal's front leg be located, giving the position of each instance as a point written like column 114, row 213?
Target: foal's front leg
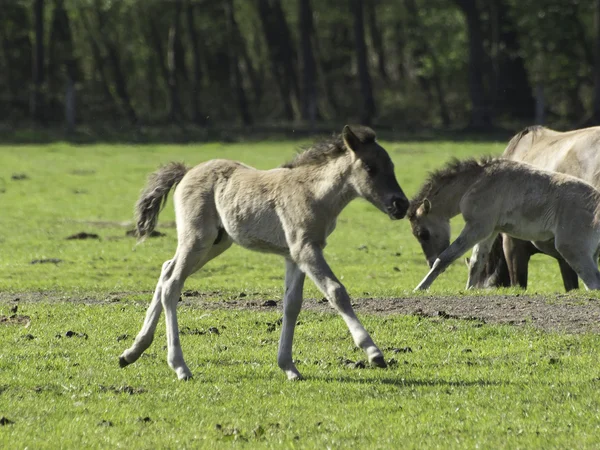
column 469, row 236
column 311, row 261
column 292, row 303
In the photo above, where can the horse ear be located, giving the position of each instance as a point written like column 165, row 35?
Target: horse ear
column 426, row 206
column 350, row 139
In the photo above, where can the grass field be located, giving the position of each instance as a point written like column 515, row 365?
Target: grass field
column 463, row 384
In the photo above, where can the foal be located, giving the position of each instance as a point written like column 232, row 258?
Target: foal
column 576, row 153
column 497, row 195
column 289, row 211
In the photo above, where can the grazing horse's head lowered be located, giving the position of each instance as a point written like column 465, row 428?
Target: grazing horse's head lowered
column 432, row 231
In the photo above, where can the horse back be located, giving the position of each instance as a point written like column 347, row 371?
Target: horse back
column 575, row 153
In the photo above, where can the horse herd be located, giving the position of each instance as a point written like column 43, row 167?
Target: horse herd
column 539, row 196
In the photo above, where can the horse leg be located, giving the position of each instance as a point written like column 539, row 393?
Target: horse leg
column 581, row 261
column 192, row 254
column 146, row 334
column 292, row 303
column 196, row 260
column 478, row 259
column 470, row 235
column 569, row 276
column 517, row 254
column 311, row 261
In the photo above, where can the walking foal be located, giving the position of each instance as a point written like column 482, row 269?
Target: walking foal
column 289, row 211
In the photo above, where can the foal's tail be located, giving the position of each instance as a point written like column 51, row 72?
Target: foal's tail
column 154, row 196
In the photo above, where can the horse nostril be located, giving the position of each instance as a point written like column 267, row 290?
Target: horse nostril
column 401, row 204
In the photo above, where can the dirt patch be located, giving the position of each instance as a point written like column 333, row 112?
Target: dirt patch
column 560, row 312
column 15, row 320
column 552, row 313
column 82, row 235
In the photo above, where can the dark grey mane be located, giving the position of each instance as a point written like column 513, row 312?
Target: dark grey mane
column 328, row 149
column 440, row 177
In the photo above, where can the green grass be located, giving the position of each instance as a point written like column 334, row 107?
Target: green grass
column 465, row 384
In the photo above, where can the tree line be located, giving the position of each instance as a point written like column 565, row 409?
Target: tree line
column 400, row 63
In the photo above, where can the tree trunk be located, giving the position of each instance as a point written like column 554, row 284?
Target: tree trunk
column 366, row 88
column 279, row 45
column 61, row 53
column 309, row 91
column 99, row 61
column 197, row 116
column 37, row 95
column 480, row 115
column 512, row 91
column 115, row 64
column 376, row 39
column 70, row 105
column 234, row 53
column 155, row 41
column 422, row 48
column 596, row 113
column 175, row 103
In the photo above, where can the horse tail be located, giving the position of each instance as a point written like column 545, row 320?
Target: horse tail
column 154, row 197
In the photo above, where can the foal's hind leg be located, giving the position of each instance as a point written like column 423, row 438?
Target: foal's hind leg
column 146, row 334
column 582, row 262
column 569, row 276
column 195, row 260
column 292, row 303
column 191, row 255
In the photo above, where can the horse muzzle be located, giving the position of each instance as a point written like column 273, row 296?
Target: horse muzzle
column 397, row 207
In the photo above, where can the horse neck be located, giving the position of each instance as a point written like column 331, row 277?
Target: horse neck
column 329, row 184
column 446, row 201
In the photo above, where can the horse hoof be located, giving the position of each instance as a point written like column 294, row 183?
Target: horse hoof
column 378, row 361
column 295, row 377
column 123, row 362
column 186, row 377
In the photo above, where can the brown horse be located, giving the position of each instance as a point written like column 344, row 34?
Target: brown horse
column 289, row 211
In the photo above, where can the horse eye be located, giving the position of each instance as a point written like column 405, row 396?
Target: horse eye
column 424, row 235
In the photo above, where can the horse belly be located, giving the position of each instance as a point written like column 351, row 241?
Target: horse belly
column 526, row 232
column 256, row 230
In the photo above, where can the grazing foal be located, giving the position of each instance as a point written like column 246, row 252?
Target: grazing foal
column 497, row 195
column 289, row 211
column 576, row 153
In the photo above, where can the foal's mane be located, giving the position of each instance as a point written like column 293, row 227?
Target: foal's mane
column 441, row 177
column 327, row 149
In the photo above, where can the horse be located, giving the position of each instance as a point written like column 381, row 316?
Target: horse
column 575, row 153
column 498, row 195
column 288, row 211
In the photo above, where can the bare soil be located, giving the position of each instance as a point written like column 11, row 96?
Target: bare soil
column 560, row 312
